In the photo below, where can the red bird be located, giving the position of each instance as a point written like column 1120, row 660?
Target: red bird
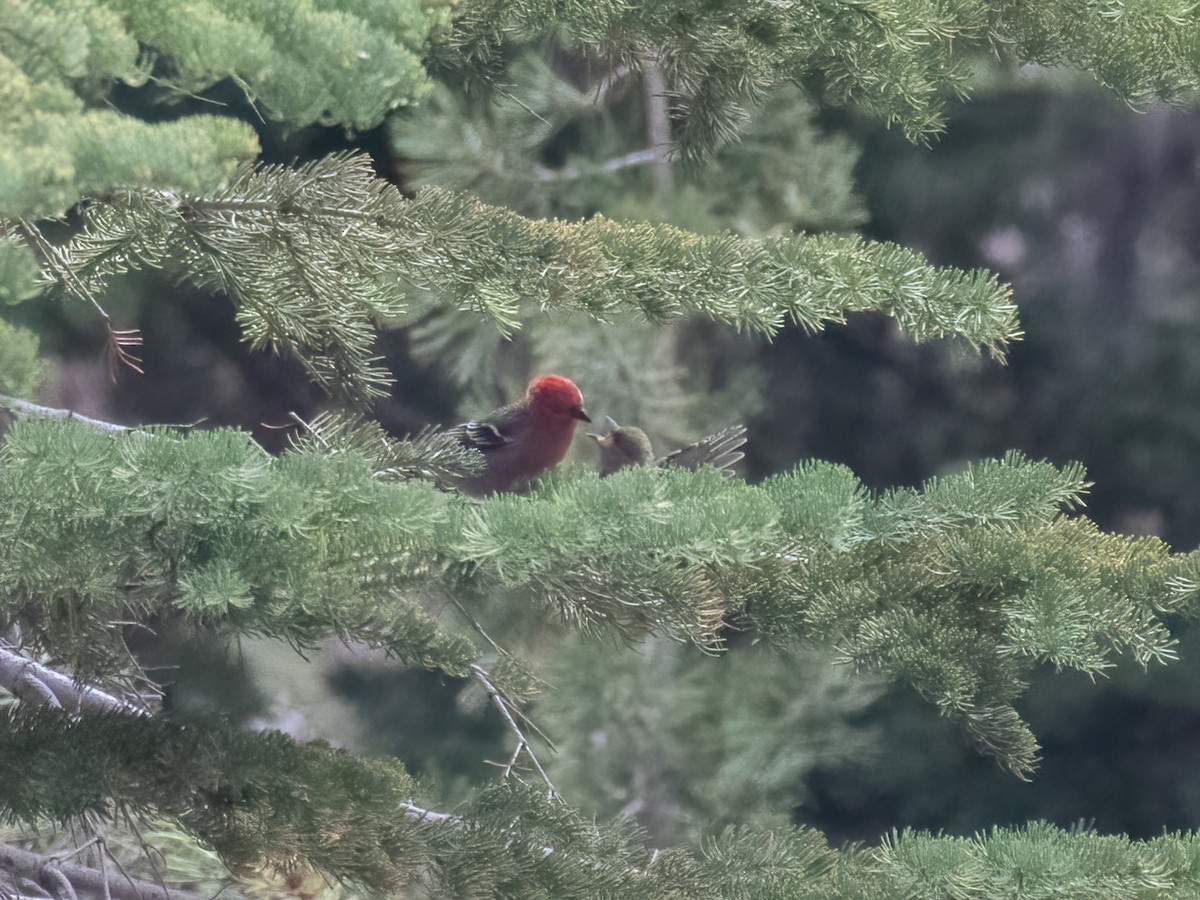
column 524, row 439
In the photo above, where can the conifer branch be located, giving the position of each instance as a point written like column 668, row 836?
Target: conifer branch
column 119, row 341
column 432, row 455
column 957, row 590
column 253, row 796
column 901, row 62
column 316, row 256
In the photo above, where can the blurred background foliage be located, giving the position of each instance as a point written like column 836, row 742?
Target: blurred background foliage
column 1087, row 207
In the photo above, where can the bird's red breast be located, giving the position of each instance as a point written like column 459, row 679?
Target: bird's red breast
column 523, row 440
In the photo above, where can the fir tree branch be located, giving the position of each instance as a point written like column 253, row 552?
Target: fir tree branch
column 601, row 267
column 958, row 590
column 315, row 256
column 262, row 799
column 118, row 340
column 901, row 62
column 52, row 258
column 431, row 455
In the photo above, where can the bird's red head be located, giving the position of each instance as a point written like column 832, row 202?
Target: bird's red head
column 557, row 395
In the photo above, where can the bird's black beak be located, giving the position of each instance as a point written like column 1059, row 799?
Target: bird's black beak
column 580, row 413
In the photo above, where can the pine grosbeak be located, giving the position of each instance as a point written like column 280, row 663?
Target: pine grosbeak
column 524, row 439
column 627, row 445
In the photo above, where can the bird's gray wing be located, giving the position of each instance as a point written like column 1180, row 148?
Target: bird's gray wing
column 719, row 450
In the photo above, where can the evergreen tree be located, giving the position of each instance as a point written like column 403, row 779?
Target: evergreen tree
column 542, row 137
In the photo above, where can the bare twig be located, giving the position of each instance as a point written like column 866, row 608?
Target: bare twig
column 85, row 846
column 31, row 689
column 25, row 408
column 474, row 622
column 502, row 704
column 93, row 822
column 633, row 158
column 148, row 850
column 24, row 889
column 103, row 860
column 645, row 157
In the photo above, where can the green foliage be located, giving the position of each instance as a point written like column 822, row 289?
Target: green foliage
column 336, row 62
column 260, row 798
column 252, row 797
column 431, row 455
column 18, row 270
column 494, row 147
column 958, row 590
column 901, row 61
column 600, row 267
column 314, row 256
column 1039, row 861
column 210, row 527
column 21, row 371
column 54, row 59
column 785, row 173
column 720, row 59
column 664, row 272
column 308, row 255
column 636, row 552
column 346, row 63
column 1139, row 51
column 513, row 150
column 689, row 743
column 51, row 162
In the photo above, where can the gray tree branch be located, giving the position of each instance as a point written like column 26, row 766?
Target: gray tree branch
column 62, row 879
column 32, row 682
column 24, row 407
column 502, row 704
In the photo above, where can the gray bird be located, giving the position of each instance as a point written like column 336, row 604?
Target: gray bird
column 628, row 445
